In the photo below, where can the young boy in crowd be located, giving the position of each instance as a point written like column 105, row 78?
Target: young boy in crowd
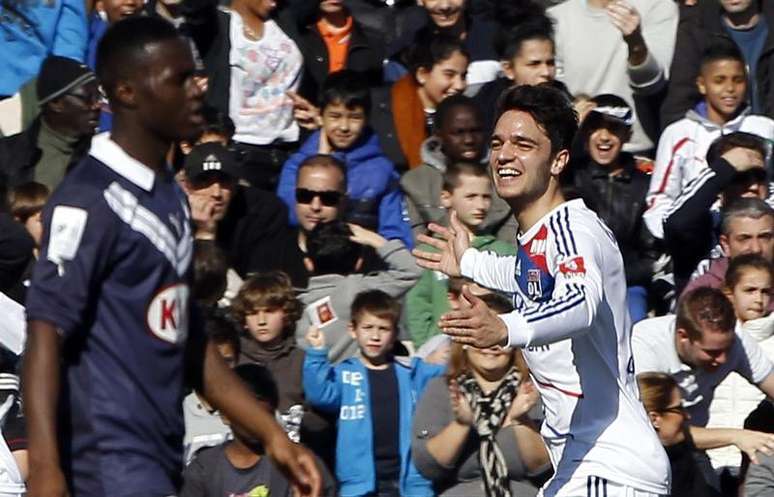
column 27, row 201
column 239, row 466
column 374, row 198
column 369, row 391
column 683, row 146
column 267, row 309
column 203, row 426
column 466, row 193
column 335, row 258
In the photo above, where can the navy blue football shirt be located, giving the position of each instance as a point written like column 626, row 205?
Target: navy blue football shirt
column 113, row 279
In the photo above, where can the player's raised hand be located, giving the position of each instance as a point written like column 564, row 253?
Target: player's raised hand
column 315, row 337
column 297, row 463
column 451, row 242
column 474, row 323
column 752, row 442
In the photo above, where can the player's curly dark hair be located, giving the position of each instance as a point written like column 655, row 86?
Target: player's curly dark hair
column 272, row 290
column 550, row 109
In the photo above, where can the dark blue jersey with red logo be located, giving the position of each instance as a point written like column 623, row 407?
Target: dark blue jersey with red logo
column 113, row 278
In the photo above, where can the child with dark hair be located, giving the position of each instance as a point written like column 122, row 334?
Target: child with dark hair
column 375, row 396
column 210, row 278
column 26, row 202
column 335, row 259
column 240, row 466
column 683, row 146
column 374, row 199
column 267, row 309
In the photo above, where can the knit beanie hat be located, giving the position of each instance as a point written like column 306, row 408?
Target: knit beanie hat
column 59, row 75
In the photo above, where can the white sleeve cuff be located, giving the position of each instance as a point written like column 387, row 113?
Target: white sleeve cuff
column 468, row 263
column 519, row 331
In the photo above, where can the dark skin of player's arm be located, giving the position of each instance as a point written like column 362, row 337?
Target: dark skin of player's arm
column 218, row 384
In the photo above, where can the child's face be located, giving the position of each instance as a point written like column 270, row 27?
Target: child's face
column 265, row 324
column 605, row 146
column 444, row 79
column 375, row 338
column 534, row 63
column 471, row 199
column 723, row 84
column 115, row 10
column 342, row 125
column 462, row 135
column 34, row 225
column 262, row 8
column 752, row 294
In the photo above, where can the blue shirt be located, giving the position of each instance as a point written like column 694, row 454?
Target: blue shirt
column 751, row 42
column 113, row 278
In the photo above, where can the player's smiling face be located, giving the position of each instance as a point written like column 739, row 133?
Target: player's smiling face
column 520, row 158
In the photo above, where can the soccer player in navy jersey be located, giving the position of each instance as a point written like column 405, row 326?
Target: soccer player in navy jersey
column 570, row 315
column 111, row 336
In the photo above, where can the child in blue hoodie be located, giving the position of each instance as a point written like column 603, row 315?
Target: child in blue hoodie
column 375, row 395
column 375, row 200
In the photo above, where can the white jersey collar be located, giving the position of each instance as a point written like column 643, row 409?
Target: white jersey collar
column 105, row 150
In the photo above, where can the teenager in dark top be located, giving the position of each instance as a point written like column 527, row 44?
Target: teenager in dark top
column 108, row 295
column 240, row 466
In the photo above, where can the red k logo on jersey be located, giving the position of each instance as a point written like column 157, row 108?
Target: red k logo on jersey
column 167, row 314
column 573, row 267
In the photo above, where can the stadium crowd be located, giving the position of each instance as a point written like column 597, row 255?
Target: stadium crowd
column 331, row 135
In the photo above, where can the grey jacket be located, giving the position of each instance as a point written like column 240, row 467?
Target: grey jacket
column 760, row 478
column 401, row 274
column 433, row 414
column 422, row 186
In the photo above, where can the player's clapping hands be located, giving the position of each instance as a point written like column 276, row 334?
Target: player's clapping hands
column 451, row 242
column 474, row 323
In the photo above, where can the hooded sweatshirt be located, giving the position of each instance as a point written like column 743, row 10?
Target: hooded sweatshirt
column 682, row 155
column 374, row 199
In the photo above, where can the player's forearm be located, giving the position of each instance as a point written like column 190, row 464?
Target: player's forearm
column 489, row 270
column 447, row 445
column 40, row 380
column 713, row 438
column 223, row 389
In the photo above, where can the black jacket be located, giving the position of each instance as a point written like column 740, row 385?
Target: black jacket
column 699, row 25
column 619, row 200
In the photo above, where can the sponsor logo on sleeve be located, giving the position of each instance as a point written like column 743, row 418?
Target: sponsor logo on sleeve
column 573, row 267
column 67, row 227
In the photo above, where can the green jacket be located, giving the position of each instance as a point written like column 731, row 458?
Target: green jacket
column 428, row 300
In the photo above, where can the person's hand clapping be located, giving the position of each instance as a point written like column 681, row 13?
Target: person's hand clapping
column 526, row 398
column 463, row 414
column 452, row 244
column 474, row 323
column 624, row 17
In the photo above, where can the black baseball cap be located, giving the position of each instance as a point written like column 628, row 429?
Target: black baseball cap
column 209, row 158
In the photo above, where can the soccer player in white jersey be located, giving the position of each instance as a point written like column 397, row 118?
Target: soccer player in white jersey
column 571, row 316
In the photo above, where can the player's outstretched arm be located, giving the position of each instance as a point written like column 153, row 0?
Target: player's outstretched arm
column 223, row 389
column 450, row 242
column 40, row 380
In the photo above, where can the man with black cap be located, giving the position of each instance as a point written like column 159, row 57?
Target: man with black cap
column 69, row 99
column 248, row 224
column 613, row 184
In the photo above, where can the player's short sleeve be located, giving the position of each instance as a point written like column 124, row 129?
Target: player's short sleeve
column 750, row 360
column 75, row 254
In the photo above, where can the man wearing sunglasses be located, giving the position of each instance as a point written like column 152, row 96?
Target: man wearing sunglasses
column 69, row 99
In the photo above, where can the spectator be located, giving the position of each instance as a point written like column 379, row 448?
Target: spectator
column 375, row 396
column 483, row 402
column 692, row 224
column 332, row 39
column 335, row 255
column 747, row 228
column 611, row 182
column 239, row 219
column 615, row 46
column 211, row 276
column 267, row 310
column 374, row 199
column 747, row 24
column 69, row 100
column 402, row 115
column 240, row 466
column 699, row 348
column 748, row 286
column 203, row 425
column 527, row 56
column 250, row 63
column 662, row 400
column 458, row 136
column 27, row 202
column 682, row 149
column 466, row 194
column 32, row 31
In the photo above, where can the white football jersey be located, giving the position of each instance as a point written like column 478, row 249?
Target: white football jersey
column 572, row 321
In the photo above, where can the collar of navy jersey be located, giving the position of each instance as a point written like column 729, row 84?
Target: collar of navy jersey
column 525, row 237
column 105, row 150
